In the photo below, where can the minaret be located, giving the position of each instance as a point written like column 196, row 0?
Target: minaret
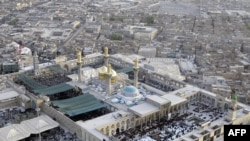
column 35, row 64
column 136, row 71
column 108, row 74
column 232, row 111
column 79, row 64
column 106, row 56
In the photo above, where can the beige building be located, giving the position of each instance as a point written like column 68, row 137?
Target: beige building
column 143, row 33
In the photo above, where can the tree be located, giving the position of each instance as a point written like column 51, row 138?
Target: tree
column 150, row 20
column 112, row 18
column 248, row 25
column 13, row 21
column 115, row 37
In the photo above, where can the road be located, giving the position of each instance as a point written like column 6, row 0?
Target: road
column 74, row 35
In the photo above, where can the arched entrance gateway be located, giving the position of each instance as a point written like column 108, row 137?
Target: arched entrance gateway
column 66, row 67
column 107, row 131
column 118, row 128
column 128, row 123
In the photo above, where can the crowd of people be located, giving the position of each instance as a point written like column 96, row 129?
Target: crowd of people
column 56, row 134
column 160, row 86
column 15, row 115
column 67, row 94
column 206, row 112
column 52, row 79
column 178, row 125
column 91, row 115
column 164, row 129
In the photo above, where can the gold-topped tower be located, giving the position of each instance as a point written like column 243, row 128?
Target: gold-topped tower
column 79, row 64
column 109, row 76
column 106, row 56
column 79, row 56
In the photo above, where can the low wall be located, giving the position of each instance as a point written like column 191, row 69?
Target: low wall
column 62, row 119
column 10, row 103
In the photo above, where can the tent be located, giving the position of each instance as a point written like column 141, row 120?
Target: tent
column 13, row 132
column 23, row 130
column 39, row 124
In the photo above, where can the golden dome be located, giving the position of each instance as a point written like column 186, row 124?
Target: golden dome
column 103, row 71
column 113, row 73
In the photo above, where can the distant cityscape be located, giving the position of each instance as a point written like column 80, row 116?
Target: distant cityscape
column 123, row 70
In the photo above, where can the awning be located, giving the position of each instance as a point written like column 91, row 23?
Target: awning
column 54, row 89
column 125, row 70
column 57, row 69
column 78, row 105
column 30, row 82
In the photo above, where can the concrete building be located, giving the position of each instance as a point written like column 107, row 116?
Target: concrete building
column 147, row 52
column 143, row 33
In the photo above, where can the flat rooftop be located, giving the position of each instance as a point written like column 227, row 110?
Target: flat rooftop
column 175, row 99
column 158, row 99
column 8, row 94
column 144, row 109
column 92, row 125
column 186, row 91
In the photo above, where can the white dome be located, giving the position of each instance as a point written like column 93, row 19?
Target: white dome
column 130, row 91
column 114, row 100
column 129, row 103
column 102, row 69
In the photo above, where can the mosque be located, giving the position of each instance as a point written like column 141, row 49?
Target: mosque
column 137, row 105
column 150, row 106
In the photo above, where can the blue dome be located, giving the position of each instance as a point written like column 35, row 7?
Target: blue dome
column 130, row 91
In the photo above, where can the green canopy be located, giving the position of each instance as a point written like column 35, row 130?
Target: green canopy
column 54, row 89
column 30, row 82
column 125, row 70
column 57, row 68
column 78, row 105
column 73, row 101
